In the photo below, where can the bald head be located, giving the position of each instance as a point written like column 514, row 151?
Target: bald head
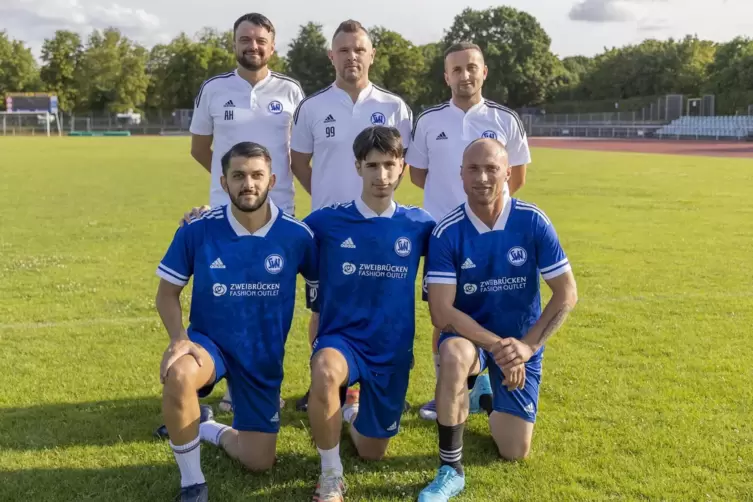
column 486, row 148
column 485, row 170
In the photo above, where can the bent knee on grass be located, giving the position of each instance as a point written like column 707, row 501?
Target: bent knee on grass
column 512, row 435
column 255, row 450
column 371, row 449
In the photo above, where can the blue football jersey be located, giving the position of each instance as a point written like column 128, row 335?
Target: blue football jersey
column 244, row 285
column 367, row 267
column 496, row 271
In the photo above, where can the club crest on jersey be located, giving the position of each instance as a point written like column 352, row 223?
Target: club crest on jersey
column 275, row 107
column 348, row 268
column 219, row 289
column 402, row 246
column 377, row 118
column 489, row 134
column 469, row 289
column 274, row 263
column 517, row 256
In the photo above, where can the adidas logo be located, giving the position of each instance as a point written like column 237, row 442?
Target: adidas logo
column 275, row 418
column 529, row 408
column 329, row 119
column 392, row 427
column 442, row 135
column 348, row 243
column 467, row 264
column 230, row 104
column 217, row 264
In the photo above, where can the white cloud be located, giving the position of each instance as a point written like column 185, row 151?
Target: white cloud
column 34, row 20
column 609, row 11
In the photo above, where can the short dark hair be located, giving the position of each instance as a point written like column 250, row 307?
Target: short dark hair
column 462, row 46
column 257, row 19
column 351, row 26
column 247, row 150
column 381, row 138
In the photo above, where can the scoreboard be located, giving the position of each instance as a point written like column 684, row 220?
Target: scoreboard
column 31, row 102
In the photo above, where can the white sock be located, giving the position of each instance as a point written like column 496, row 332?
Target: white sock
column 189, row 462
column 331, row 459
column 212, row 431
column 436, row 366
column 350, row 413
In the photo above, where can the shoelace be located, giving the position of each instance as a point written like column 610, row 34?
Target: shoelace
column 439, row 482
column 330, row 482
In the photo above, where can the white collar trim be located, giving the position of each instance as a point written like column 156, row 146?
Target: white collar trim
column 367, row 212
column 501, row 220
column 241, row 231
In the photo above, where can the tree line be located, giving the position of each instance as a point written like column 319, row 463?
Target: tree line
column 108, row 72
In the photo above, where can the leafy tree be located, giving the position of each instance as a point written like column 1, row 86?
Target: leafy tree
column 307, row 59
column 516, row 50
column 18, row 69
column 60, row 59
column 111, row 75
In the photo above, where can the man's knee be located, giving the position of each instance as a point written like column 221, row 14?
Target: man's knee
column 456, row 356
column 181, row 377
column 373, row 450
column 257, row 463
column 515, row 449
column 327, row 371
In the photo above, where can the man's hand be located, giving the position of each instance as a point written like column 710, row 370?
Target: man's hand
column 175, row 351
column 511, row 352
column 515, row 378
column 193, row 214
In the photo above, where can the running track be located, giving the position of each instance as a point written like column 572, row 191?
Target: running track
column 670, row 147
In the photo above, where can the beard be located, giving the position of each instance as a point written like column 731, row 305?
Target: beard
column 249, row 65
column 249, row 208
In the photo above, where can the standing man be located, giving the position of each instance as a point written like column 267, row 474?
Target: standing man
column 485, row 258
column 370, row 249
column 244, row 258
column 441, row 134
column 326, row 123
column 250, row 103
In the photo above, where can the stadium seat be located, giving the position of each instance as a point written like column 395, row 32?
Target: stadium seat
column 738, row 126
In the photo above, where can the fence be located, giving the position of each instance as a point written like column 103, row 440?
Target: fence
column 159, row 123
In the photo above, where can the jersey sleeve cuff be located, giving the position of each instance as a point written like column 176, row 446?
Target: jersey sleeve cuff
column 171, row 275
column 200, row 131
column 523, row 160
column 556, row 270
column 410, row 159
column 441, row 278
column 301, row 149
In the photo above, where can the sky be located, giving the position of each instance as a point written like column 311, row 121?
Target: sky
column 584, row 27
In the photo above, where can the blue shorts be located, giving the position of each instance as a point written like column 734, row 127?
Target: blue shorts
column 256, row 404
column 383, row 391
column 523, row 403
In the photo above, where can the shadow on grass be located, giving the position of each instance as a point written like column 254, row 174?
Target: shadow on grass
column 109, row 423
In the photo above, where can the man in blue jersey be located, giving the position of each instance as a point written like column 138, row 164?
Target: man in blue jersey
column 369, row 252
column 483, row 270
column 244, row 258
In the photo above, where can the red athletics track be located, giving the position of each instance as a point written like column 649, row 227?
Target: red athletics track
column 671, row 147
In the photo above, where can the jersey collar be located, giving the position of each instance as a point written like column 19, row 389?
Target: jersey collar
column 241, row 231
column 473, row 109
column 365, row 93
column 368, row 213
column 259, row 84
column 501, row 220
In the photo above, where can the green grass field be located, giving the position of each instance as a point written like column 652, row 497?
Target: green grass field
column 647, row 391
